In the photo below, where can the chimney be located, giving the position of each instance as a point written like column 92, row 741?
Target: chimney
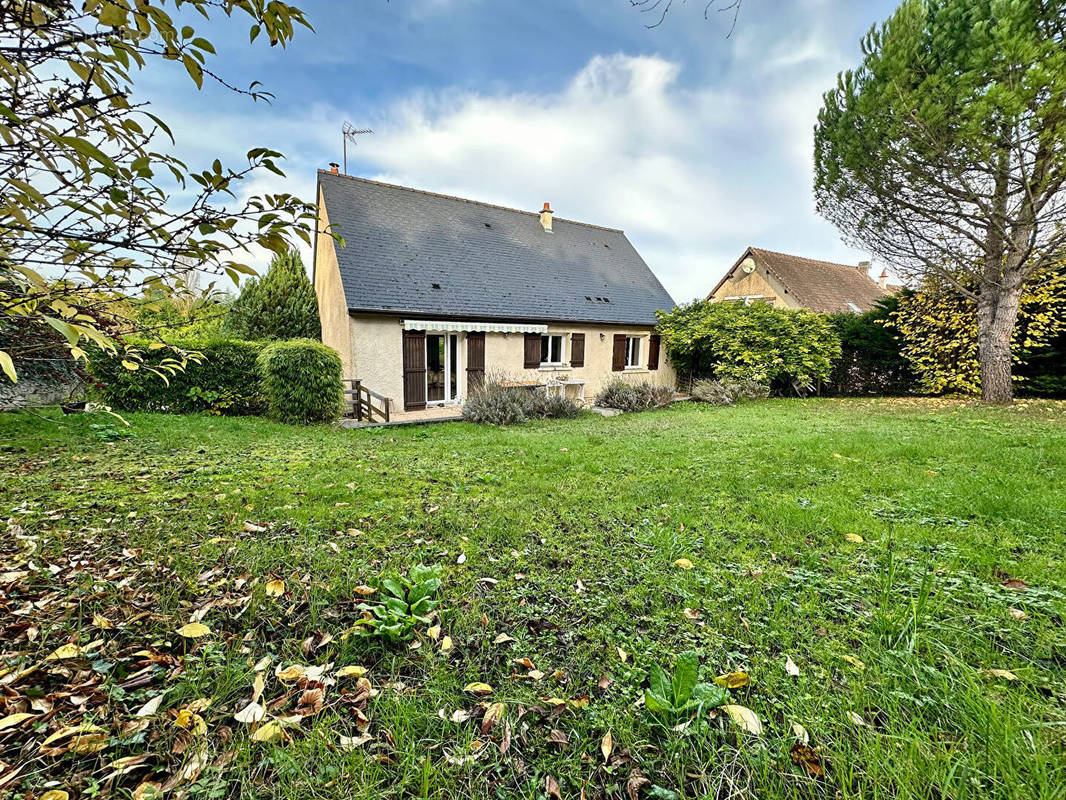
column 334, row 167
column 864, row 267
column 883, row 280
column 546, row 218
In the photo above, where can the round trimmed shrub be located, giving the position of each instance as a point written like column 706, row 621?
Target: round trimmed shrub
column 301, row 380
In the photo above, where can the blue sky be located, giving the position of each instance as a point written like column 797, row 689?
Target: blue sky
column 697, row 144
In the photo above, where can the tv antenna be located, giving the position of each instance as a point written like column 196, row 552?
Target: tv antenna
column 349, row 132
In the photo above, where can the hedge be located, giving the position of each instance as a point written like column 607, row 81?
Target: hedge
column 871, row 360
column 222, row 379
column 301, row 380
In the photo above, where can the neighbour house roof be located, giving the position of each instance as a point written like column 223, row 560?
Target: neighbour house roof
column 414, row 252
column 820, row 286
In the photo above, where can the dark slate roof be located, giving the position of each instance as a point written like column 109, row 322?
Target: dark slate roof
column 489, row 262
column 821, row 286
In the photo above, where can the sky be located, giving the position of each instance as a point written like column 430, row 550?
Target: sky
column 695, row 140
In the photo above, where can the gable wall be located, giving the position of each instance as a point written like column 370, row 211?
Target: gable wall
column 332, row 306
column 759, row 282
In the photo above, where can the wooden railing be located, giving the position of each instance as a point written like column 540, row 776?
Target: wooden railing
column 362, row 400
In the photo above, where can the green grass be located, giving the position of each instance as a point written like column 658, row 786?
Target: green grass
column 580, row 522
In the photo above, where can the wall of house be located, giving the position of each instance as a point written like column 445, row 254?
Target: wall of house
column 376, row 343
column 332, row 307
column 759, row 282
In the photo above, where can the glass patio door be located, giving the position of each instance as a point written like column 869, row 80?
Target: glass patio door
column 442, row 367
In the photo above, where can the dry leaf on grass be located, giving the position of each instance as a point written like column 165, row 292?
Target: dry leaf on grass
column 790, row 667
column 744, row 717
column 275, row 588
column 807, row 757
column 478, row 688
column 606, row 746
column 854, row 537
column 194, row 630
column 684, row 563
column 733, row 680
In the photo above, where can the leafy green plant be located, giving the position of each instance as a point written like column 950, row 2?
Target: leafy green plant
column 617, row 393
column 405, row 602
column 671, row 696
column 302, row 381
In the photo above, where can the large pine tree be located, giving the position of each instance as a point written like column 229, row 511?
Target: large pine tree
column 280, row 305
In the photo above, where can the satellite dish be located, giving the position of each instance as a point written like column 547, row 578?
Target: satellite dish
column 748, row 265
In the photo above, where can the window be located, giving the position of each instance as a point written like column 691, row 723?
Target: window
column 551, row 350
column 632, row 351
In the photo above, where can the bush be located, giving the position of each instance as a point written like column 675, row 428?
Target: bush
column 784, row 348
column 218, row 377
column 624, row 396
column 871, row 358
column 727, row 393
column 494, row 404
column 280, row 305
column 301, row 380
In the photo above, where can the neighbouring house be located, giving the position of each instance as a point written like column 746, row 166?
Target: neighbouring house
column 763, row 276
column 429, row 293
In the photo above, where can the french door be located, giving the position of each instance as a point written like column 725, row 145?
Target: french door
column 442, row 368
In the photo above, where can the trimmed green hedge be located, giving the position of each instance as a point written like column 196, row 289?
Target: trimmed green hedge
column 224, row 381
column 302, row 381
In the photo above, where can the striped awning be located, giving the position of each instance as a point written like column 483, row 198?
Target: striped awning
column 486, row 327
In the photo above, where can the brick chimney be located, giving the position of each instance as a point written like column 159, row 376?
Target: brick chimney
column 883, row 280
column 546, row 217
column 334, row 167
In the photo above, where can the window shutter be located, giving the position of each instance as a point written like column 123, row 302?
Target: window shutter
column 653, row 351
column 577, row 350
column 618, row 363
column 414, row 370
column 475, row 361
column 532, row 355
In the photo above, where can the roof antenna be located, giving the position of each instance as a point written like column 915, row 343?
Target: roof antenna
column 349, row 132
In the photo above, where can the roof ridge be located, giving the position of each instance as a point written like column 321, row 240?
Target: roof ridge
column 854, row 267
column 466, row 200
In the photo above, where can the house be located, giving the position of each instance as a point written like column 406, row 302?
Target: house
column 430, row 293
column 763, row 276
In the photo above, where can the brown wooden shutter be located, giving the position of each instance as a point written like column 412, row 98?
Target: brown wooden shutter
column 414, row 370
column 653, row 351
column 577, row 350
column 532, row 359
column 475, row 362
column 619, row 362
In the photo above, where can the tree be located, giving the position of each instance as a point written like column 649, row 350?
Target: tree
column 281, row 305
column 944, row 154
column 939, row 326
column 94, row 211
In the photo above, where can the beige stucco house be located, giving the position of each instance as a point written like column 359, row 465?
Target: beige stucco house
column 763, row 276
column 429, row 293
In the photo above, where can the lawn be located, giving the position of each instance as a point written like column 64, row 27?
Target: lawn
column 907, row 558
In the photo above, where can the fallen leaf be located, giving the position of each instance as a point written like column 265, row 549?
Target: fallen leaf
column 275, row 588
column 433, row 632
column 478, row 688
column 558, row 737
column 807, row 757
column 352, row 742
column 856, row 719
column 733, row 680
column 65, row 652
column 1017, row 613
column 253, row 712
column 492, row 715
column 151, row 707
column 148, row 790
column 854, row 662
column 194, row 630
column 744, row 717
column 790, row 667
column 365, row 591
column 503, row 637
column 11, row 720
column 801, row 733
column 270, row 733
column 637, row 780
column 684, row 563
column 55, row 794
column 854, row 537
column 623, row 655
column 691, row 613
column 1015, row 584
column 446, row 644
column 103, row 623
column 606, row 746
column 351, row 672
column 551, row 787
column 1006, row 674
column 258, row 685
column 251, row 527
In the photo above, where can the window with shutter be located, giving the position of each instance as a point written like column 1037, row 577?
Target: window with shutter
column 577, row 350
column 654, row 343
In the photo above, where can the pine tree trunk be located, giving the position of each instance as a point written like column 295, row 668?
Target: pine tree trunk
column 997, row 313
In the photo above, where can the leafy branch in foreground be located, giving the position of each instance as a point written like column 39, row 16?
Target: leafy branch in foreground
column 93, row 210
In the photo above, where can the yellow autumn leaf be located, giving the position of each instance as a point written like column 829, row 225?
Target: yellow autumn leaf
column 352, row 672
column 854, row 537
column 478, row 688
column 606, row 746
column 622, row 655
column 102, row 622
column 11, row 720
column 194, row 630
column 275, row 588
column 684, row 563
column 733, row 680
column 65, row 652
column 745, row 718
column 191, row 721
column 446, row 644
column 88, row 743
column 365, row 591
column 290, row 674
column 271, row 733
column 62, row 733
column 433, row 632
column 854, row 662
column 55, row 794
column 1006, row 674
